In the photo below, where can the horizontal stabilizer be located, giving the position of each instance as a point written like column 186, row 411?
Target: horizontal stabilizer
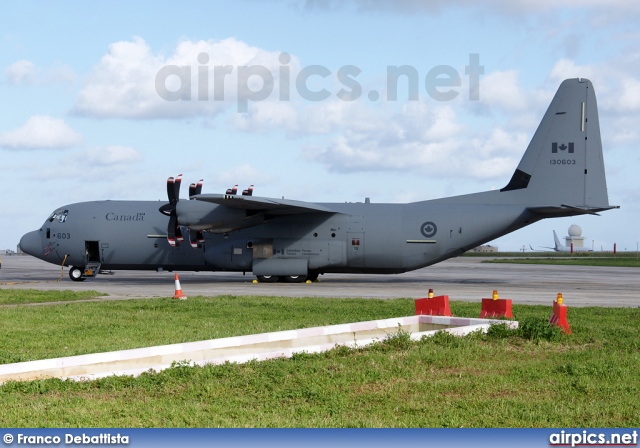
column 569, row 210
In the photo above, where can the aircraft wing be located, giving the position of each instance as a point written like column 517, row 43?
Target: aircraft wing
column 271, row 206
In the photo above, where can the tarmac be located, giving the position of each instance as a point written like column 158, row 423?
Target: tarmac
column 462, row 278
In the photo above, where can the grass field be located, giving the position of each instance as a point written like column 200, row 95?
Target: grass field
column 582, row 261
column 621, row 259
column 588, row 379
column 553, row 254
column 23, row 296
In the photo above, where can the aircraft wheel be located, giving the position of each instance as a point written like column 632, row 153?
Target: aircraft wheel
column 313, row 276
column 267, row 278
column 75, row 274
column 294, row 278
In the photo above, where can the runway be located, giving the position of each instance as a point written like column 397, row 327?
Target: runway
column 462, row 278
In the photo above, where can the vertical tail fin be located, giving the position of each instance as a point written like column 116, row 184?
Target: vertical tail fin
column 563, row 165
column 557, row 241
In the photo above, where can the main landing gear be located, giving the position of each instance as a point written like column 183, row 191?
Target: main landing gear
column 312, row 276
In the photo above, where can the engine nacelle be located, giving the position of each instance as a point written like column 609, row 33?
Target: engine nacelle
column 200, row 215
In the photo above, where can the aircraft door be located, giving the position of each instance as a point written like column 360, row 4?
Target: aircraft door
column 92, row 251
column 355, row 248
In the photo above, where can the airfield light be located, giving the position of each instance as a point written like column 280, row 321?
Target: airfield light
column 430, row 295
column 495, row 294
column 560, row 300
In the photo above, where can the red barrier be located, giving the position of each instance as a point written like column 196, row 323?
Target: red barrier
column 495, row 307
column 433, row 306
column 559, row 316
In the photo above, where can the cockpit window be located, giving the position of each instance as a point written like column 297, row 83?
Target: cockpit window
column 59, row 215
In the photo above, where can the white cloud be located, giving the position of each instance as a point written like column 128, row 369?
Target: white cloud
column 112, row 155
column 496, row 156
column 567, row 68
column 618, row 91
column 423, row 135
column 266, row 115
column 501, row 89
column 422, row 139
column 112, row 172
column 41, row 132
column 299, row 119
column 21, row 72
column 128, row 81
column 630, row 101
column 438, row 139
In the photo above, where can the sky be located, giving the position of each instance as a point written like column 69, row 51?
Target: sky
column 106, row 100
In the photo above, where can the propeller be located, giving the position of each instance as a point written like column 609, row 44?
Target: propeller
column 174, row 229
column 248, row 191
column 233, row 190
column 195, row 189
column 174, row 233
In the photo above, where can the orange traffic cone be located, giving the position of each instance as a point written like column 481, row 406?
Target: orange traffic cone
column 559, row 315
column 179, row 294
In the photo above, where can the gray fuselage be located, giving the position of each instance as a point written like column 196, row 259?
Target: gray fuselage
column 359, row 237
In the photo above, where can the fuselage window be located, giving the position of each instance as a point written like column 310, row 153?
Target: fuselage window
column 60, row 215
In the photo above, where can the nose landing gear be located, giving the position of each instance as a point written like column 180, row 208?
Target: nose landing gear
column 76, row 274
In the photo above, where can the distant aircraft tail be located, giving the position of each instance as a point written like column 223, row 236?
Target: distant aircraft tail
column 557, row 241
column 562, row 171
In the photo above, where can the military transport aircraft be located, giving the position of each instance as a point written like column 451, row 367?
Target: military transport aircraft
column 561, row 174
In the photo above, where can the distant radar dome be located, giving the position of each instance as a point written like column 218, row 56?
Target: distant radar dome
column 575, row 230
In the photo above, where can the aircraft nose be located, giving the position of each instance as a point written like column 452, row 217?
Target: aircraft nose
column 31, row 243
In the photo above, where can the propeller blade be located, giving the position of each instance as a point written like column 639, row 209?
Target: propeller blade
column 248, row 191
column 193, row 239
column 195, row 189
column 171, row 230
column 167, row 209
column 176, row 187
column 179, row 236
column 174, row 233
column 196, row 238
column 171, row 192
